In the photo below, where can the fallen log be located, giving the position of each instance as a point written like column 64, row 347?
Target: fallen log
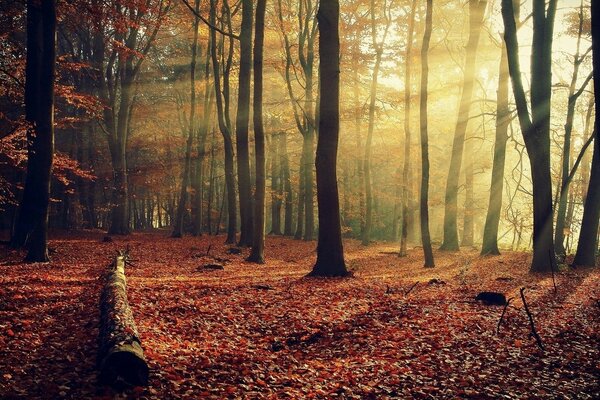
column 121, row 358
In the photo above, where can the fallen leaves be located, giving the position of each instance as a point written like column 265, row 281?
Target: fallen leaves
column 265, row 331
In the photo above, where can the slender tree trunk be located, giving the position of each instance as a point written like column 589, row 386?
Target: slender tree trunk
column 476, row 12
column 258, row 237
column 587, row 246
column 559, row 235
column 406, row 169
column 276, row 185
column 32, row 225
column 330, row 252
column 241, row 126
column 424, row 198
column 492, row 220
column 287, row 186
column 301, row 200
column 185, row 178
column 222, row 113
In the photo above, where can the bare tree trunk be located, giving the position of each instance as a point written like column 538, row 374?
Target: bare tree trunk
column 32, row 226
column 559, row 235
column 492, row 220
column 185, row 178
column 424, row 198
column 476, row 12
column 287, row 186
column 330, row 252
column 224, row 126
column 258, row 239
column 406, row 170
column 536, row 129
column 587, row 246
column 241, row 125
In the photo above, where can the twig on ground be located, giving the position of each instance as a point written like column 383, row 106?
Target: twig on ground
column 411, row 288
column 531, row 323
column 503, row 312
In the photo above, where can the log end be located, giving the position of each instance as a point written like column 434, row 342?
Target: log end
column 124, row 367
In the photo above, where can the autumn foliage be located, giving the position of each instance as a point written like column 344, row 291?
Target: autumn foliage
column 266, row 331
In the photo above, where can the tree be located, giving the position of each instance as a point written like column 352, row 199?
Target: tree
column 492, row 219
column 185, row 176
column 574, row 93
column 378, row 46
column 241, row 125
column 587, row 246
column 32, row 226
column 406, row 168
column 424, row 197
column 222, row 101
column 304, row 111
column 330, row 251
column 476, row 13
column 258, row 238
column 535, row 127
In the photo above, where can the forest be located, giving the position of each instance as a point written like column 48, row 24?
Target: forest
column 354, row 199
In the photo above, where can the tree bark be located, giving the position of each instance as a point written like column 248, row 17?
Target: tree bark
column 492, row 220
column 536, row 129
column 258, row 237
column 32, row 225
column 241, row 125
column 185, row 177
column 476, row 13
column 330, row 251
column 424, row 197
column 222, row 117
column 406, row 168
column 587, row 246
column 122, row 361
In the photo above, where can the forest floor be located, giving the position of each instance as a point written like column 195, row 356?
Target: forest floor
column 266, row 331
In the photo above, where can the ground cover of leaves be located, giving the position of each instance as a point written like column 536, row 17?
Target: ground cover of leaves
column 266, row 331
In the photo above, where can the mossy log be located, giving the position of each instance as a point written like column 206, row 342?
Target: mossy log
column 121, row 358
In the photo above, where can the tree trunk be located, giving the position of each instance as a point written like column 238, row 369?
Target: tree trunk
column 287, row 186
column 241, row 125
column 536, row 129
column 492, row 220
column 185, row 178
column 32, row 226
column 559, row 235
column 276, row 185
column 587, row 246
column 406, row 168
column 424, row 198
column 122, row 361
column 330, row 252
column 258, row 237
column 222, row 118
column 476, row 12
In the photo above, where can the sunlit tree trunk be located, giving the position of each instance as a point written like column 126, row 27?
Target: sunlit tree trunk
column 406, row 168
column 32, row 226
column 476, row 13
column 287, row 185
column 185, row 177
column 241, row 125
column 536, row 128
column 492, row 220
column 587, row 246
column 276, row 184
column 222, row 99
column 559, row 238
column 424, row 197
column 378, row 45
column 258, row 238
column 330, row 252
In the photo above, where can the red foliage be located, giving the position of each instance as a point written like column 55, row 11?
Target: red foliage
column 219, row 333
